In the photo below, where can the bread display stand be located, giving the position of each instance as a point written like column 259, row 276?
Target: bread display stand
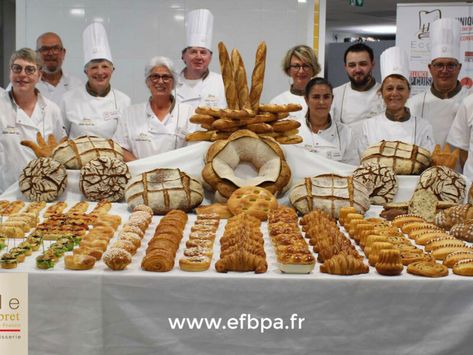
column 100, row 311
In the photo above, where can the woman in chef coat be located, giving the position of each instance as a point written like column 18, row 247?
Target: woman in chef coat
column 160, row 124
column 396, row 123
column 300, row 64
column 94, row 109
column 320, row 133
column 24, row 112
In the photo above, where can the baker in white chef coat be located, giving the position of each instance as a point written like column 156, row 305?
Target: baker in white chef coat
column 197, row 85
column 439, row 103
column 300, row 64
column 160, row 124
column 357, row 99
column 54, row 81
column 24, row 112
column 94, row 109
column 322, row 135
column 396, row 123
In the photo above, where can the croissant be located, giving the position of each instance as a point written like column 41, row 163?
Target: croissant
column 251, row 248
column 445, row 158
column 343, row 264
column 158, row 260
column 42, row 149
column 242, row 261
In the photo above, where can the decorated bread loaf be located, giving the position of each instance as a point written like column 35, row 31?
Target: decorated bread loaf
column 444, row 183
column 104, row 178
column 74, row 154
column 164, row 190
column 380, row 181
column 330, row 193
column 43, row 179
column 403, row 158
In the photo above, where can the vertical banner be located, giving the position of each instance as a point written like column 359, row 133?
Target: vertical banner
column 413, row 24
column 14, row 313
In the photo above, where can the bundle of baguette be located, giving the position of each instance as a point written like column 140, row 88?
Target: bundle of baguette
column 292, row 251
column 242, row 246
column 244, row 109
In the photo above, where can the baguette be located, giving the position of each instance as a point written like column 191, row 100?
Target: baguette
column 257, row 77
column 227, row 75
column 239, row 75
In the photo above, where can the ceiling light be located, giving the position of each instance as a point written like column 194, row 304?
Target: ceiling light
column 179, row 17
column 77, row 12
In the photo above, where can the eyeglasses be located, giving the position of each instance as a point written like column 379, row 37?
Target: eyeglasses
column 155, row 78
column 29, row 69
column 298, row 67
column 443, row 66
column 54, row 50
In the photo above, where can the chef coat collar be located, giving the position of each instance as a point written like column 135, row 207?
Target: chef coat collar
column 296, row 92
column 307, row 121
column 173, row 104
column 450, row 94
column 91, row 92
column 406, row 117
column 40, row 99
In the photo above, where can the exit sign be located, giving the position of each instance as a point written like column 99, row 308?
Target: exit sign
column 356, row 2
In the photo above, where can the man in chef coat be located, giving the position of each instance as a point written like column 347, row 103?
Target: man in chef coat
column 439, row 103
column 54, row 82
column 357, row 99
column 197, row 85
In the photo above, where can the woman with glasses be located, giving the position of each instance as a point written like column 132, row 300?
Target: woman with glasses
column 24, row 113
column 160, row 124
column 94, row 109
column 396, row 123
column 300, row 64
column 321, row 134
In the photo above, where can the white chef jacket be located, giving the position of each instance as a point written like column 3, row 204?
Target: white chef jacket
column 334, row 142
column 460, row 133
column 439, row 112
column 416, row 130
column 207, row 92
column 85, row 114
column 286, row 98
column 15, row 126
column 55, row 93
column 350, row 106
column 142, row 133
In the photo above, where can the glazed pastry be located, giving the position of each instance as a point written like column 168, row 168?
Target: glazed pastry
column 343, row 264
column 389, row 262
column 194, row 263
column 464, row 267
column 242, row 261
column 158, row 260
column 427, row 269
column 452, row 258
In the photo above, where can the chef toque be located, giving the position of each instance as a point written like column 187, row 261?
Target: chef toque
column 445, row 38
column 95, row 43
column 394, row 61
column 199, row 28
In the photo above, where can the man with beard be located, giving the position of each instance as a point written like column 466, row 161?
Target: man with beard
column 54, row 82
column 439, row 103
column 196, row 84
column 358, row 99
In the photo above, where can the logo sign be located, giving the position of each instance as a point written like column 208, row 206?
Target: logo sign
column 14, row 313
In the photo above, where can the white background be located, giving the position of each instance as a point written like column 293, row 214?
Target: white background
column 141, row 29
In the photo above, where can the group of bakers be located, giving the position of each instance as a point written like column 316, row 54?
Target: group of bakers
column 337, row 123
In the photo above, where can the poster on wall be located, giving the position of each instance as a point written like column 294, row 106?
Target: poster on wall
column 413, row 23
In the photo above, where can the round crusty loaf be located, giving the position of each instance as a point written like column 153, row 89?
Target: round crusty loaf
column 104, row 178
column 445, row 183
column 43, row 179
column 403, row 158
column 330, row 193
column 164, row 190
column 74, row 154
column 379, row 180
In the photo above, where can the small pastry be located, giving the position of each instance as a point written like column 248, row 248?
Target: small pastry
column 194, row 263
column 427, row 269
column 79, row 262
column 389, row 262
column 117, row 259
column 464, row 267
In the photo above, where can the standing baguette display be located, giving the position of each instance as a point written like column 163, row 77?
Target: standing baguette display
column 227, row 75
column 257, row 77
column 239, row 75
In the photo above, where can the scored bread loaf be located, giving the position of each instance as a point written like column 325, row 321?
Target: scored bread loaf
column 403, row 158
column 257, row 77
column 227, row 74
column 239, row 75
column 445, row 183
column 164, row 190
column 380, row 181
column 74, row 154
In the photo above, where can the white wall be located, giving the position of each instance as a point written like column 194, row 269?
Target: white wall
column 140, row 29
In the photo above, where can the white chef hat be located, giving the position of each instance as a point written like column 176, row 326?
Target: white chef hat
column 394, row 61
column 199, row 28
column 445, row 38
column 95, row 43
